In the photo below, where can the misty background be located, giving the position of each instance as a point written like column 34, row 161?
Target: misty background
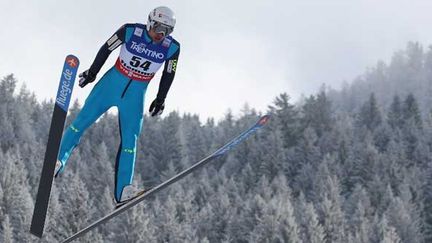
column 233, row 52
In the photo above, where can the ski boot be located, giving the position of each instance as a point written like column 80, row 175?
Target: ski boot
column 129, row 193
column 58, row 167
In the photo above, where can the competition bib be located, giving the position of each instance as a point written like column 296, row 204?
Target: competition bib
column 140, row 60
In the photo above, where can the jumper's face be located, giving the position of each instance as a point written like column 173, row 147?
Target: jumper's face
column 156, row 37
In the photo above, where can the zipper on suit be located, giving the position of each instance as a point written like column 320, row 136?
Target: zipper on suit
column 127, row 86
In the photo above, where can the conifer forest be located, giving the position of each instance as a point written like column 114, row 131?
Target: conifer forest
column 349, row 164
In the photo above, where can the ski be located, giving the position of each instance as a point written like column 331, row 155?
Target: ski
column 223, row 150
column 64, row 93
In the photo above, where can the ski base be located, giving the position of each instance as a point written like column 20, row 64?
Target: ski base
column 64, row 93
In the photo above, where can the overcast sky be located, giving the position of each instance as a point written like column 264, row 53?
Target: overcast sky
column 233, row 52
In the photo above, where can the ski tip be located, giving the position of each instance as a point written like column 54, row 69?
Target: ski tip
column 72, row 61
column 263, row 120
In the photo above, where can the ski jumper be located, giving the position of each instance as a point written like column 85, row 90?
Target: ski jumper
column 124, row 86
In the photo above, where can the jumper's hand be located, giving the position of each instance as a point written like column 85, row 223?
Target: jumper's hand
column 157, row 107
column 86, row 77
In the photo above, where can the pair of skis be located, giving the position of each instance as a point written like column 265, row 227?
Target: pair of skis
column 56, row 129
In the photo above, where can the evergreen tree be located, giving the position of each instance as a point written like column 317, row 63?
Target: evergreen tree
column 310, row 229
column 388, row 232
column 399, row 216
column 332, row 221
column 53, row 233
column 277, row 223
column 17, row 201
column 394, row 161
column 370, row 115
column 363, row 164
column 273, row 157
column 412, row 140
column 317, row 113
column 166, row 146
column 427, row 90
column 330, row 209
column 361, row 223
column 382, row 136
column 305, row 159
column 411, row 111
column 359, row 207
column 136, row 227
column 7, row 230
column 287, row 117
column 100, row 163
column 395, row 116
column 410, row 193
column 249, row 178
column 75, row 203
column 220, row 214
column 192, row 140
column 166, row 221
column 148, row 154
column 7, row 89
column 427, row 199
column 24, row 108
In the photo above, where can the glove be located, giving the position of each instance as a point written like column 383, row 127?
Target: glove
column 157, row 107
column 86, row 77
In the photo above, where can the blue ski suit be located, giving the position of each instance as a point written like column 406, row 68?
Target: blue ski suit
column 124, row 86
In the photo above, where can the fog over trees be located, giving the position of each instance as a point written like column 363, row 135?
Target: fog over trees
column 348, row 165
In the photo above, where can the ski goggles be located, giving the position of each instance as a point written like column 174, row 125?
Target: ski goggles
column 161, row 28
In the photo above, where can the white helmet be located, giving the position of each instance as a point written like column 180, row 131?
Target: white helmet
column 162, row 20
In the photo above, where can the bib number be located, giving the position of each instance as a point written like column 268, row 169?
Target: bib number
column 136, row 62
